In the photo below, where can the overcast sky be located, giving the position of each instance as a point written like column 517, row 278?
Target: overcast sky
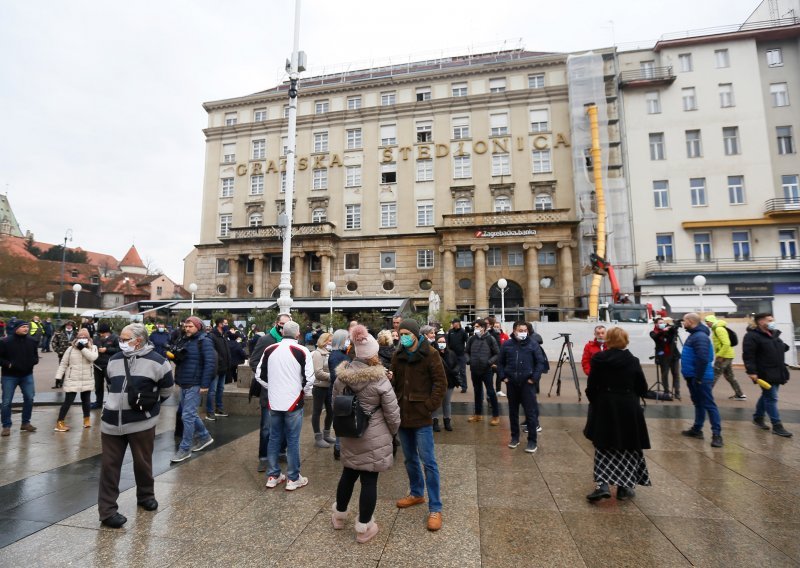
column 101, row 100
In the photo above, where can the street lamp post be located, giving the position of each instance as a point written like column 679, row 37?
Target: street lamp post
column 502, row 284
column 331, row 288
column 67, row 236
column 77, row 289
column 192, row 289
column 700, row 281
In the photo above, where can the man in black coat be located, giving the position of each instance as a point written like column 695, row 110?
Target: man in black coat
column 217, row 388
column 763, row 352
column 482, row 352
column 107, row 344
column 457, row 342
column 18, row 355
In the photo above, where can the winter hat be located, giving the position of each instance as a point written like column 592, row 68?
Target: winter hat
column 409, row 325
column 366, row 346
column 196, row 321
column 711, row 318
column 17, row 324
column 103, row 328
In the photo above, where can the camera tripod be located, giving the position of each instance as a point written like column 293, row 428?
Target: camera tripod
column 657, row 387
column 564, row 357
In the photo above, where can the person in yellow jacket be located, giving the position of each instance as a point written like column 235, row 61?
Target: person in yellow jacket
column 723, row 355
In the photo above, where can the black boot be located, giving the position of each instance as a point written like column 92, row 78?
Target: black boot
column 759, row 421
column 780, row 430
column 337, row 454
column 625, row 493
column 601, row 492
column 447, row 425
column 436, row 427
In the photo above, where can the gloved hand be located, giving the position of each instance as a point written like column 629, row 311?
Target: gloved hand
column 59, row 383
column 79, row 346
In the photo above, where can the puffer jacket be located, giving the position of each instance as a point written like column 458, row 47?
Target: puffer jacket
column 482, row 352
column 721, row 339
column 697, row 359
column 198, row 365
column 77, row 368
column 419, row 383
column 521, row 360
column 373, row 450
column 322, row 375
column 763, row 355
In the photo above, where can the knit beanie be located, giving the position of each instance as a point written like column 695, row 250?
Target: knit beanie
column 196, row 321
column 366, row 346
column 410, row 325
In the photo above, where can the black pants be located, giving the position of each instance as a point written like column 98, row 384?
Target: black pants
column 321, row 399
column 667, row 364
column 369, row 492
column 114, row 447
column 99, row 385
column 86, row 399
column 522, row 393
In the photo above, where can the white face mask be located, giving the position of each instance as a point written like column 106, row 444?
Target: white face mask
column 83, row 341
column 771, row 326
column 522, row 335
column 346, row 343
column 125, row 347
column 328, row 347
column 478, row 333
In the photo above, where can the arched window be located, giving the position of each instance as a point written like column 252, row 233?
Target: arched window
column 543, row 202
column 463, row 206
column 502, row 203
column 255, row 219
column 319, row 215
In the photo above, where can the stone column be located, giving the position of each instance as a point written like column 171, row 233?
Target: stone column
column 448, row 278
column 325, row 273
column 233, row 277
column 481, row 295
column 258, row 276
column 567, row 278
column 299, row 275
column 532, row 272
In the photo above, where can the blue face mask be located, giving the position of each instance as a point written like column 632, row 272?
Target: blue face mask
column 771, row 326
column 407, row 340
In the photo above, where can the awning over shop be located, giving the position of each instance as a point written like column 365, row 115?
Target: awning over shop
column 388, row 305
column 222, row 305
column 708, row 303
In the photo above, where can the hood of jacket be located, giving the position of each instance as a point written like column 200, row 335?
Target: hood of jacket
column 700, row 329
column 148, row 347
column 356, row 372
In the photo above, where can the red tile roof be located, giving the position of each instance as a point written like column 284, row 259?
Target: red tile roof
column 132, row 259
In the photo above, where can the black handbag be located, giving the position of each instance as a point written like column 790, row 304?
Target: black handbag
column 138, row 397
column 350, row 420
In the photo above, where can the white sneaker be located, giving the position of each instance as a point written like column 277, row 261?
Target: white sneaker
column 538, row 428
column 275, row 481
column 501, row 393
column 300, row 482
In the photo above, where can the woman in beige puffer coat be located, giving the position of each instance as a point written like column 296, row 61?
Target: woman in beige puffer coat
column 364, row 458
column 76, row 373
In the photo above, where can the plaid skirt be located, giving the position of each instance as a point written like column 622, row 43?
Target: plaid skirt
column 623, row 468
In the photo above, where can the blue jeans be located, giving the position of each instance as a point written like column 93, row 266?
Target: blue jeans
column 217, row 388
column 10, row 385
column 484, row 379
column 285, row 424
column 703, row 400
column 522, row 393
column 418, row 446
column 190, row 400
column 767, row 404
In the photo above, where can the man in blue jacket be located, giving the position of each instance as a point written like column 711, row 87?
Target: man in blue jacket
column 697, row 366
column 520, row 365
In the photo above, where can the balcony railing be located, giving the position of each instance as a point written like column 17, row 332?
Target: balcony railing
column 749, row 264
column 782, row 205
column 273, row 231
column 505, row 219
column 647, row 76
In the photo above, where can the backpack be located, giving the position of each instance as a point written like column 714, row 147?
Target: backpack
column 350, row 420
column 309, row 337
column 732, row 336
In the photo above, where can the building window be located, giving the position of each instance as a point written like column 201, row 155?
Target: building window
column 260, row 115
column 351, row 261
column 352, row 218
column 424, row 213
column 498, row 124
column 780, row 94
column 259, row 149
column 685, row 62
column 494, row 256
column 726, row 95
column 661, row 194
column 227, row 187
column 775, row 57
column 463, row 258
column 229, row 153
column 460, row 128
column 547, row 257
column 276, row 263
column 702, row 247
column 536, row 81
column 787, row 238
column 542, row 162
column 462, row 167
column 515, row 256
column 459, row 89
column 424, row 170
column 354, row 103
column 352, row 176
column 697, row 191
column 693, row 146
column 722, row 58
column 497, row 85
column 388, row 173
column 255, row 220
column 250, row 265
column 314, row 263
column 736, row 190
column 353, row 138
column 284, row 145
column 741, row 245
column 231, row 119
column 785, row 140
column 425, row 258
column 388, row 135
column 425, row 131
column 689, row 98
column 257, row 184
column 285, row 111
column 502, row 204
column 648, row 68
column 664, row 247
column 225, row 222
column 653, row 102
column 791, row 188
column 501, row 164
column 657, row 151
column 388, row 98
column 423, row 94
column 283, row 182
column 388, row 260
column 543, row 202
column 222, row 266
column 388, row 215
column 321, row 107
column 320, row 178
column 319, row 215
column 463, row 206
column 320, row 142
column 540, row 120
column 730, row 140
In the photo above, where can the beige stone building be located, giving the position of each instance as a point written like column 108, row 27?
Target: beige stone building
column 443, row 176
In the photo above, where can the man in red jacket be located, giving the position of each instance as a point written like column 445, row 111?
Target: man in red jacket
column 596, row 345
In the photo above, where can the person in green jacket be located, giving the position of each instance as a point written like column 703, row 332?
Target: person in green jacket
column 723, row 355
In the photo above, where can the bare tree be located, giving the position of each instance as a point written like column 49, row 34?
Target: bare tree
column 26, row 281
column 152, row 267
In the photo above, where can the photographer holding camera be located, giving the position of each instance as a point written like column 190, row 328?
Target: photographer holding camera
column 668, row 358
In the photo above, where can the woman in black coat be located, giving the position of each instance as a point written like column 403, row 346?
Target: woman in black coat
column 615, row 423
